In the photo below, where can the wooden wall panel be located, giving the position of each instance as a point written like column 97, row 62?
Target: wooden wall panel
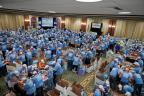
column 26, row 22
column 83, row 24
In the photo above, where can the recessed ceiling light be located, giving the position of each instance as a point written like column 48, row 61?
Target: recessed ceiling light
column 1, row 6
column 124, row 12
column 88, row 0
column 51, row 11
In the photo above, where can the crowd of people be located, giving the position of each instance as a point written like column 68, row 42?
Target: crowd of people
column 126, row 69
column 39, row 58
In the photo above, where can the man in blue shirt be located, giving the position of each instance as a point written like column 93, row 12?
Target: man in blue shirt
column 29, row 57
column 88, row 57
column 12, row 57
column 50, row 79
column 37, row 80
column 59, row 52
column 142, row 55
column 83, row 55
column 125, row 77
column 138, row 82
column 48, row 54
column 22, row 58
column 137, row 68
column 140, row 61
column 70, row 60
column 76, row 63
column 3, row 70
column 58, row 70
column 29, row 87
column 4, row 48
column 113, row 77
column 128, row 88
column 97, row 92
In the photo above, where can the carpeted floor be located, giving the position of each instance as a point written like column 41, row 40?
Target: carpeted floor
column 3, row 88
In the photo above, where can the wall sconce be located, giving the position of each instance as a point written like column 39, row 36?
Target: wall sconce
column 62, row 21
column 83, row 24
column 110, row 25
column 27, row 20
column 113, row 26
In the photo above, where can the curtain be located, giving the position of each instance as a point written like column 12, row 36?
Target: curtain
column 73, row 24
column 10, row 21
column 120, row 28
column 88, row 26
column 130, row 29
column 139, row 31
column 105, row 25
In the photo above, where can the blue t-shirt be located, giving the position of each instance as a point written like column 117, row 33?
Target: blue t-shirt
column 138, row 79
column 114, row 72
column 125, row 77
column 1, row 63
column 22, row 58
column 76, row 61
column 97, row 92
column 58, row 69
column 48, row 54
column 29, row 87
column 37, row 80
column 70, row 56
column 29, row 55
column 128, row 88
column 50, row 74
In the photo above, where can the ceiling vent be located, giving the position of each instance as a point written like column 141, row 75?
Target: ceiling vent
column 117, row 8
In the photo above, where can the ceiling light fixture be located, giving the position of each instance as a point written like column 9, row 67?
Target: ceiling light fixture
column 124, row 12
column 1, row 6
column 88, row 0
column 51, row 11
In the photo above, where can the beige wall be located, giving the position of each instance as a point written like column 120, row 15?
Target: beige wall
column 11, row 21
column 124, row 28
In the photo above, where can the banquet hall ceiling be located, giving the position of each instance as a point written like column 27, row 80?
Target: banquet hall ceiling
column 105, row 7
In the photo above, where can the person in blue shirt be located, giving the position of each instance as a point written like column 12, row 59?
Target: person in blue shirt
column 113, row 77
column 34, row 52
column 70, row 60
column 3, row 70
column 4, row 48
column 142, row 55
column 50, row 79
column 58, row 70
column 117, row 48
column 37, row 80
column 76, row 63
column 29, row 87
column 29, row 57
column 97, row 92
column 60, row 61
column 140, row 61
column 88, row 57
column 137, row 68
column 12, row 57
column 128, row 88
column 114, row 63
column 48, row 54
column 59, row 52
column 83, row 55
column 138, row 83
column 94, row 51
column 125, row 77
column 22, row 58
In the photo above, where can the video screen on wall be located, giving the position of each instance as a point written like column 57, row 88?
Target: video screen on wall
column 47, row 22
column 96, row 25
